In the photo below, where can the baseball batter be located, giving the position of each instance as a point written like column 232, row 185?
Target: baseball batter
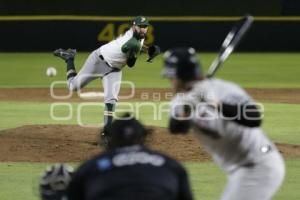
column 227, row 122
column 107, row 63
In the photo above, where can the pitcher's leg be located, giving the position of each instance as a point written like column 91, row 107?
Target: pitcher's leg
column 90, row 71
column 68, row 56
column 111, row 85
column 92, row 68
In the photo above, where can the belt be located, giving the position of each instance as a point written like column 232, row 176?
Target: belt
column 102, row 58
column 113, row 68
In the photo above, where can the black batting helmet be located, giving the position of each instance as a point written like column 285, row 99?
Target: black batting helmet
column 126, row 131
column 54, row 182
column 181, row 63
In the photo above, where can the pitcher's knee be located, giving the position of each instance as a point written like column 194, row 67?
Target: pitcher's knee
column 72, row 87
column 73, row 84
column 110, row 100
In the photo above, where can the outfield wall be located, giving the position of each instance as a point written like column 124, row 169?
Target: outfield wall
column 45, row 33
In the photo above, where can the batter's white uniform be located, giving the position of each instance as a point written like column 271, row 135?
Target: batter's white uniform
column 252, row 162
column 105, row 62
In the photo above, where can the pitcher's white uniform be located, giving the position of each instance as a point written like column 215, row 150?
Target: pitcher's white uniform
column 252, row 162
column 105, row 62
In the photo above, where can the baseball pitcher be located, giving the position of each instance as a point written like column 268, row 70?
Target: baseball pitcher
column 227, row 122
column 107, row 63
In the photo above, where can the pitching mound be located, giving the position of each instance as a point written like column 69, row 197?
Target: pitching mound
column 69, row 143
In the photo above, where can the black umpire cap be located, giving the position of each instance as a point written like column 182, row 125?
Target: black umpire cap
column 126, row 131
column 181, row 63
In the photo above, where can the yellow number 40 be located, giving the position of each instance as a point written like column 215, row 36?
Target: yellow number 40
column 108, row 33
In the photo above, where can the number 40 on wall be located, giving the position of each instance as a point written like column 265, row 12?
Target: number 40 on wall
column 111, row 31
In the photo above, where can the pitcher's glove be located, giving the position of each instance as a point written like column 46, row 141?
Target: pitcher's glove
column 153, row 51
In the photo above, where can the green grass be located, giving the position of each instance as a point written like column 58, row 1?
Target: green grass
column 20, row 180
column 270, row 70
column 14, row 114
column 261, row 70
column 281, row 121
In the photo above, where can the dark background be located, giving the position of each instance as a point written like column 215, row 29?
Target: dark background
column 149, row 7
column 279, row 32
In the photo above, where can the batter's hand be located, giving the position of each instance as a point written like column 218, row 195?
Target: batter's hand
column 153, row 51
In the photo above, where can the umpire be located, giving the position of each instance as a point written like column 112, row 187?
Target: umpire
column 129, row 171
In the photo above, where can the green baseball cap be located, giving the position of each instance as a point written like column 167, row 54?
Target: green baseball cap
column 140, row 20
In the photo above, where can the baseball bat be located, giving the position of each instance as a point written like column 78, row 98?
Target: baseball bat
column 235, row 35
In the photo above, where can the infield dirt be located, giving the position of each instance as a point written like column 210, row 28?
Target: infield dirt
column 70, row 143
column 270, row 95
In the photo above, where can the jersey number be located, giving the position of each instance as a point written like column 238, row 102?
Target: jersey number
column 111, row 31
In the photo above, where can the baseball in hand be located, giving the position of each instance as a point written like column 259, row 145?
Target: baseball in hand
column 51, row 71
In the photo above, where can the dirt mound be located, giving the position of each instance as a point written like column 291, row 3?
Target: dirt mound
column 70, row 143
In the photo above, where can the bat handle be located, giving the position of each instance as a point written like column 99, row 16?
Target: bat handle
column 213, row 68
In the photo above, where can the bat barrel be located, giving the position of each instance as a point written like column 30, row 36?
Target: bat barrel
column 231, row 41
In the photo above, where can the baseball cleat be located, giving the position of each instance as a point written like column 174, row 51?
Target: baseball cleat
column 65, row 54
column 104, row 141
